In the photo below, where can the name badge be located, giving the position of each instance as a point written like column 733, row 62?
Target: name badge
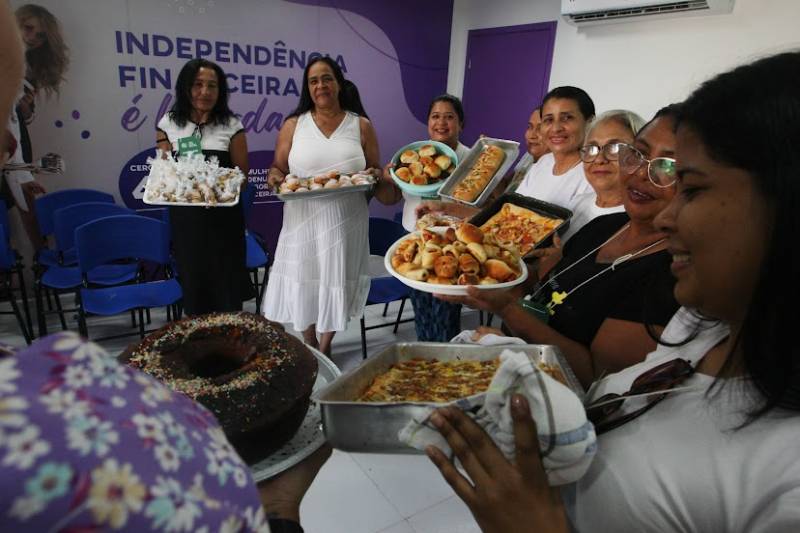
column 189, row 145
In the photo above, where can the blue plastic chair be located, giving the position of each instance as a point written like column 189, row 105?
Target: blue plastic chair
column 386, row 289
column 257, row 256
column 124, row 237
column 9, row 264
column 47, row 205
column 17, row 267
column 59, row 278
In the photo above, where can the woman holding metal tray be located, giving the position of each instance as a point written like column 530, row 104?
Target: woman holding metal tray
column 320, row 279
column 702, row 436
column 611, row 293
column 208, row 244
column 435, row 320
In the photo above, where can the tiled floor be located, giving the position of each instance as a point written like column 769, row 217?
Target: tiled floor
column 354, row 493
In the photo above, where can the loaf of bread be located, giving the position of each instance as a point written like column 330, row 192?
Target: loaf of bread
column 480, row 174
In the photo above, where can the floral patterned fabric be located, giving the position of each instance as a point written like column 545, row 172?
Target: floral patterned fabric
column 88, row 444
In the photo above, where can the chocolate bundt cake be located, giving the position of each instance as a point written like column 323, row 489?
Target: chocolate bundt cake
column 255, row 377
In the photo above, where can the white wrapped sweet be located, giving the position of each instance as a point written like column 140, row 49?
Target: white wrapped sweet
column 191, row 179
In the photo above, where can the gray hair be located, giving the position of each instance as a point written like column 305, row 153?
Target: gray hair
column 627, row 119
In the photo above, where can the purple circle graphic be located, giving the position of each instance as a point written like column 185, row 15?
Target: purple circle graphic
column 85, row 134
column 76, row 114
column 59, row 124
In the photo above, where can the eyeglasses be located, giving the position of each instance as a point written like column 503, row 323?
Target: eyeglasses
column 653, row 386
column 661, row 170
column 610, row 152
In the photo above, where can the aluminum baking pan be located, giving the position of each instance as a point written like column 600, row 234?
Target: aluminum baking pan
column 319, row 193
column 538, row 206
column 511, row 149
column 355, row 426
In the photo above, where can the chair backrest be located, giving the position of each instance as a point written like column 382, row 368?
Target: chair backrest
column 382, row 234
column 66, row 219
column 121, row 237
column 7, row 258
column 247, row 197
column 47, row 205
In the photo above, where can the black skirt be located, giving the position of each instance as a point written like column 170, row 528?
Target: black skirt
column 209, row 248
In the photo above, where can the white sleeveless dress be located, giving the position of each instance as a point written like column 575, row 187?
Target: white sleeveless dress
column 320, row 273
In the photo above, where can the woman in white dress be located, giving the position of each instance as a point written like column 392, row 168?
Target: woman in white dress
column 319, row 279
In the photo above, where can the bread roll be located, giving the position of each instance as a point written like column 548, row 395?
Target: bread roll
column 468, row 279
column 443, row 161
column 417, row 274
column 425, row 161
column 432, row 170
column 403, row 173
column 478, row 252
column 480, row 174
column 446, row 266
column 419, row 180
column 405, row 267
column 468, row 264
column 409, row 156
column 450, row 234
column 397, row 261
column 499, row 270
column 429, row 256
column 436, row 280
column 332, row 184
column 427, row 150
column 468, row 233
column 408, row 249
column 489, row 281
column 416, row 169
column 451, row 251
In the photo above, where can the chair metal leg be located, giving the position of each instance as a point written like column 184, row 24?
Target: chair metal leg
column 133, row 318
column 363, row 338
column 385, row 308
column 480, row 318
column 141, row 323
column 262, row 290
column 83, row 328
column 15, row 308
column 23, row 291
column 40, row 318
column 147, row 314
column 60, row 311
column 489, row 318
column 399, row 314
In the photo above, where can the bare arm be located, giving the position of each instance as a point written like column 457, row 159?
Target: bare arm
column 386, row 192
column 280, row 164
column 238, row 150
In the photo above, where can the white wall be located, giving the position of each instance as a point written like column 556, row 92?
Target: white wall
column 640, row 65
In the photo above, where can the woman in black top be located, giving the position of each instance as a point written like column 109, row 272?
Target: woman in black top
column 613, row 282
column 208, row 244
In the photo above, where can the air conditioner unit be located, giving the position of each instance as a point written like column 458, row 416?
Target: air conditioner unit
column 591, row 12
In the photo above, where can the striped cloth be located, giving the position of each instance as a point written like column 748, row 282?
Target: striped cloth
column 566, row 438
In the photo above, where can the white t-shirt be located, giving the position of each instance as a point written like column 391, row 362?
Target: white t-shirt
column 412, row 200
column 683, row 465
column 585, row 209
column 542, row 184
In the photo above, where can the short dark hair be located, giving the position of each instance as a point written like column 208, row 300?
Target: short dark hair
column 761, row 138
column 453, row 101
column 349, row 99
column 181, row 111
column 579, row 96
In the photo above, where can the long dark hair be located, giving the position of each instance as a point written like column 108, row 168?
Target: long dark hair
column 349, row 99
column 181, row 111
column 46, row 64
column 749, row 118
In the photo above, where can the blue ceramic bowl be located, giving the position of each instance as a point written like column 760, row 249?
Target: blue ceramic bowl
column 422, row 190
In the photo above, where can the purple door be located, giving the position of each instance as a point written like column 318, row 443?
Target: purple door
column 506, row 76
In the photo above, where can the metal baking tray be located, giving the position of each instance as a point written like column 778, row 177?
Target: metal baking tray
column 543, row 208
column 511, row 148
column 147, row 194
column 355, row 426
column 319, row 193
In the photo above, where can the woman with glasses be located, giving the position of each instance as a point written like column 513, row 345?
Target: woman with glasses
column 208, row 243
column 718, row 451
column 611, row 292
column 600, row 155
